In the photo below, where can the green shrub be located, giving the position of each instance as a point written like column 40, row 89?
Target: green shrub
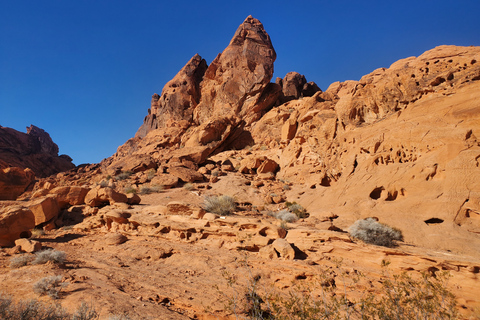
column 49, row 286
column 371, row 231
column 52, row 255
column 20, row 261
column 222, row 205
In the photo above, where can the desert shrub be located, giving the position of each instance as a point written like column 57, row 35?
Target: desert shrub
column 20, row 261
column 188, row 186
column 297, row 209
column 222, row 205
column 130, row 189
column 85, row 312
column 151, row 173
column 119, row 317
column 37, row 232
column 52, row 255
column 284, row 215
column 215, row 173
column 286, row 187
column 401, row 297
column 36, row 310
column 123, row 175
column 371, row 231
column 49, row 286
column 151, row 189
column 103, row 183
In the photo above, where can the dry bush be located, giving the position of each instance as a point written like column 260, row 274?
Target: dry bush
column 222, row 205
column 371, row 231
column 20, row 261
column 52, row 255
column 123, row 175
column 36, row 310
column 297, row 209
column 188, row 186
column 401, row 297
column 284, row 215
column 50, row 286
column 151, row 189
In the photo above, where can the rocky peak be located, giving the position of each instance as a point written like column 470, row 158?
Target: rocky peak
column 45, row 143
column 178, row 99
column 238, row 77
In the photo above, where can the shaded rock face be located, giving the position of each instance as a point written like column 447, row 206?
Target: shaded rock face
column 34, row 149
column 14, row 181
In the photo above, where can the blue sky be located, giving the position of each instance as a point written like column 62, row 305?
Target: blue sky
column 85, row 70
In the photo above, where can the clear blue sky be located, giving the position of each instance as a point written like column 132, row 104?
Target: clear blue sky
column 85, row 70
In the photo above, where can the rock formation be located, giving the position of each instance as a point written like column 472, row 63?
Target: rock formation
column 34, row 150
column 399, row 145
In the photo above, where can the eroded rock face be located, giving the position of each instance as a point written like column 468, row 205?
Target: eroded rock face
column 32, row 150
column 235, row 81
column 14, row 181
column 178, row 99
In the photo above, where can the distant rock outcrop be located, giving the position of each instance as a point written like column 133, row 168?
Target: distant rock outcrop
column 34, row 150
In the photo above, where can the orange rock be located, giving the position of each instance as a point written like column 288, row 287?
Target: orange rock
column 99, row 196
column 28, row 245
column 14, row 181
column 72, row 195
column 44, row 209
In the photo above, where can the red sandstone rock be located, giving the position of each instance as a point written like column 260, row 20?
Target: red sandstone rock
column 14, row 181
column 28, row 245
column 72, row 196
column 99, row 196
column 32, row 150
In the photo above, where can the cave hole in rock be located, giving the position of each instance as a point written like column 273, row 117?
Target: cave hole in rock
column 391, row 196
column 326, row 182
column 376, row 193
column 473, row 61
column 433, row 221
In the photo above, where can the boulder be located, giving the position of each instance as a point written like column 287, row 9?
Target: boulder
column 14, row 181
column 284, row 249
column 180, row 208
column 100, row 196
column 185, row 174
column 165, row 180
column 133, row 199
column 44, row 209
column 28, row 245
column 69, row 195
column 267, row 166
column 15, row 221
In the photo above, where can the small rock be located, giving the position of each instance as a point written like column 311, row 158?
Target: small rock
column 28, row 245
column 115, row 239
column 284, row 249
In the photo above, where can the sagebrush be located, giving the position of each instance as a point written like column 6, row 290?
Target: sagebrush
column 222, row 205
column 50, row 286
column 371, row 231
column 51, row 255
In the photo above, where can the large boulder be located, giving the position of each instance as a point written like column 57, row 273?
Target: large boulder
column 15, row 221
column 100, row 196
column 69, row 195
column 14, row 181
